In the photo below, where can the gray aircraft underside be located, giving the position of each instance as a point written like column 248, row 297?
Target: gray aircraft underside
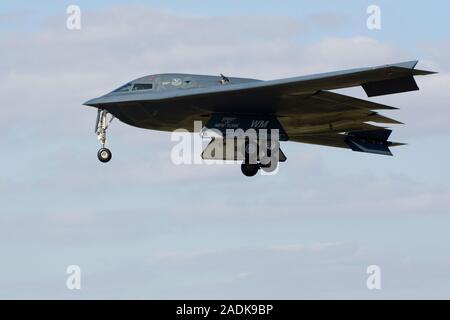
column 304, row 107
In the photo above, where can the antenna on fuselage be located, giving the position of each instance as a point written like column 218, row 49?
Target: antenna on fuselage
column 223, row 79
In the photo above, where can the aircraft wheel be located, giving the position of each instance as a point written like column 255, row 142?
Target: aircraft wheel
column 104, row 155
column 269, row 168
column 249, row 170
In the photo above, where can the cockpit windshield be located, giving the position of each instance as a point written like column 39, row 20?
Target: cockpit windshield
column 134, row 87
column 124, row 88
column 142, row 86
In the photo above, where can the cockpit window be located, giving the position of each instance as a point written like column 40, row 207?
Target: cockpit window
column 124, row 88
column 142, row 86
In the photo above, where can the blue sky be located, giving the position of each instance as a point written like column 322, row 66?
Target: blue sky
column 403, row 21
column 141, row 227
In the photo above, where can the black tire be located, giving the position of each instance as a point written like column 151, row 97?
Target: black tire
column 249, row 170
column 104, row 155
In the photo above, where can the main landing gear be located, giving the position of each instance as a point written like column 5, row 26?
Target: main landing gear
column 250, row 166
column 102, row 123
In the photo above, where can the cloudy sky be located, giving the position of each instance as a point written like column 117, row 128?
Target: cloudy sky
column 142, row 227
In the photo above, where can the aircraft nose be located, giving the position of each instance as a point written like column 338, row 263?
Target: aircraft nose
column 92, row 103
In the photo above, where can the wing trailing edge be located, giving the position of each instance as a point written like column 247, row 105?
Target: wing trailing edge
column 405, row 82
column 370, row 141
column 374, row 141
column 392, row 86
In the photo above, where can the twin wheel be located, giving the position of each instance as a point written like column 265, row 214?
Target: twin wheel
column 251, row 166
column 251, row 170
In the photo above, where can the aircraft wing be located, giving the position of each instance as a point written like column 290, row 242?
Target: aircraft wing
column 382, row 80
column 379, row 145
column 310, row 114
column 376, row 81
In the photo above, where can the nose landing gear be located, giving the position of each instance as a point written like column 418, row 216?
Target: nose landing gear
column 102, row 123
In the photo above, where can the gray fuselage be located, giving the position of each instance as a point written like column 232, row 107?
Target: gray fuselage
column 153, row 102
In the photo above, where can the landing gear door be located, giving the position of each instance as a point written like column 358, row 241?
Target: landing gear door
column 224, row 123
column 232, row 149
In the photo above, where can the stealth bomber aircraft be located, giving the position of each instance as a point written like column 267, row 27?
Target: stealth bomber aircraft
column 300, row 109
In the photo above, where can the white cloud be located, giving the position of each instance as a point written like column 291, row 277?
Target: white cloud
column 311, row 271
column 63, row 68
column 54, row 192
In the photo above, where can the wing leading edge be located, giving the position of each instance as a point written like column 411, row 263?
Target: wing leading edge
column 382, row 80
column 387, row 79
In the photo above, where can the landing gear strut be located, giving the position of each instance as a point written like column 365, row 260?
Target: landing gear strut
column 102, row 123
